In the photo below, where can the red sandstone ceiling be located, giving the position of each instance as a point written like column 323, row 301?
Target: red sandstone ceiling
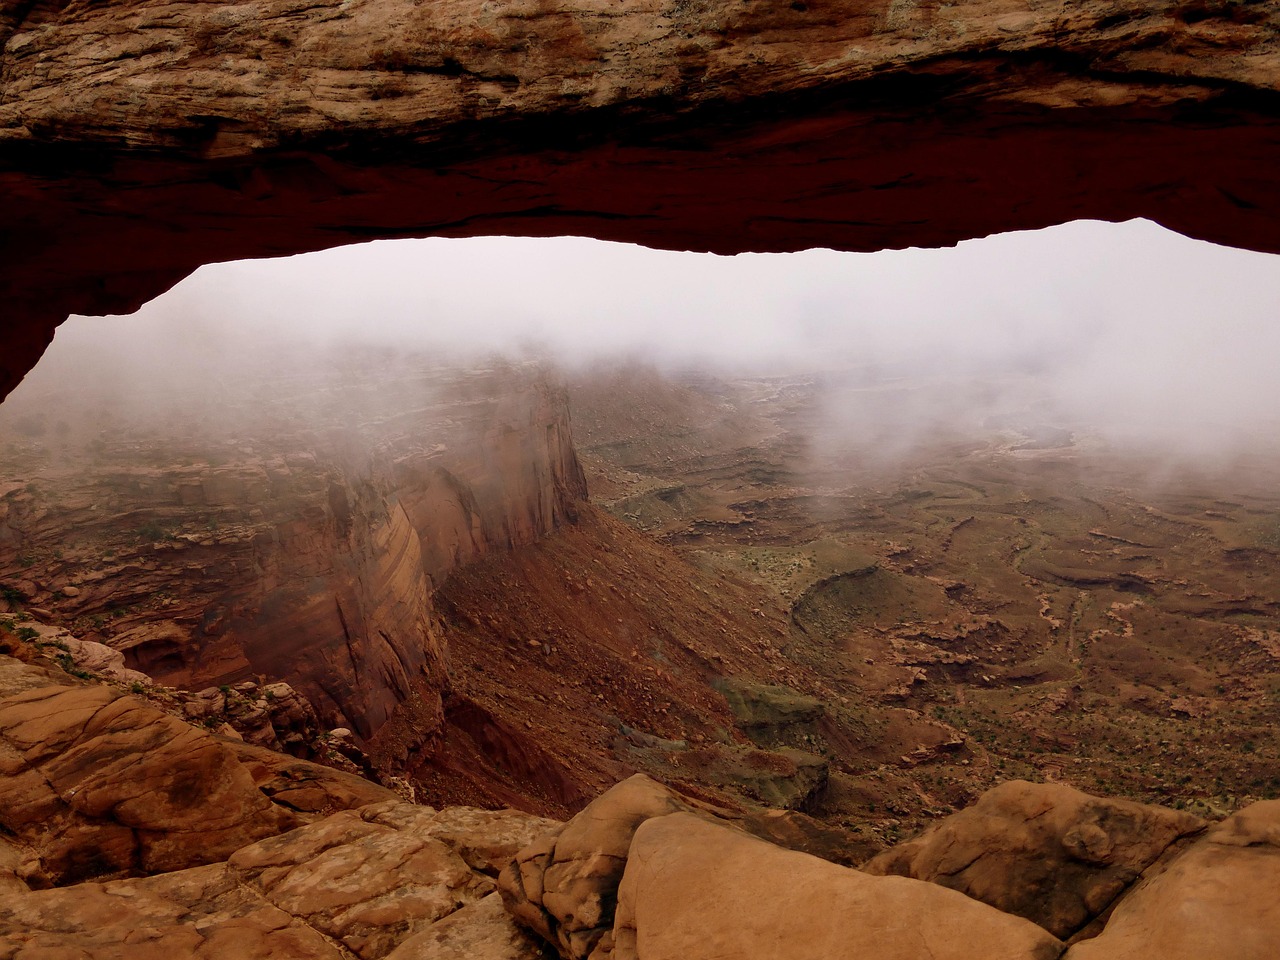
column 140, row 140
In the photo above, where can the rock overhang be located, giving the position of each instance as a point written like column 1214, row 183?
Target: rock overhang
column 139, row 141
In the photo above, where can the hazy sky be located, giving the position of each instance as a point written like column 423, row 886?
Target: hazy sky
column 1145, row 329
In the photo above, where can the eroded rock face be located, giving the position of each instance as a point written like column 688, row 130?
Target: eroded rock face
column 212, row 562
column 138, row 141
column 564, row 886
column 96, row 784
column 101, row 784
column 1215, row 902
column 1042, row 851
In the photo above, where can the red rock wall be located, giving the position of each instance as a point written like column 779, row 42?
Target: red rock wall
column 315, row 567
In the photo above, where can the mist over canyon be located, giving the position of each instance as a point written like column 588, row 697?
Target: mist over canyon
column 780, row 547
column 512, row 600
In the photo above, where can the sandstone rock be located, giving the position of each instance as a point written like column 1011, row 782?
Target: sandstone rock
column 478, row 931
column 87, row 655
column 564, row 886
column 17, row 676
column 367, row 883
column 359, row 880
column 105, row 785
column 234, row 131
column 201, row 912
column 275, row 716
column 693, row 889
column 798, row 831
column 96, row 784
column 488, row 840
column 1217, row 901
column 15, row 863
column 303, row 787
column 1041, row 851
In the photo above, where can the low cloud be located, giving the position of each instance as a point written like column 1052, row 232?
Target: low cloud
column 1129, row 332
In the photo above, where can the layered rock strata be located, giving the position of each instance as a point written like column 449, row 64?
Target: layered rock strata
column 99, row 784
column 139, row 140
column 212, row 564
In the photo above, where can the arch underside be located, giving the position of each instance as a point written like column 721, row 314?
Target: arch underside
column 713, row 126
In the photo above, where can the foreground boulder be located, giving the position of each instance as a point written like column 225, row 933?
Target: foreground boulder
column 1218, row 901
column 564, row 886
column 695, row 889
column 645, row 872
column 1042, row 851
column 104, row 785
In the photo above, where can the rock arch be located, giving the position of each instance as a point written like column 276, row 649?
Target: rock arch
column 139, row 140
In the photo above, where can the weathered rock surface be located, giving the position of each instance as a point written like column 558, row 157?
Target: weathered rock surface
column 1215, row 902
column 1041, row 851
column 488, row 840
column 103, row 785
column 202, row 912
column 478, row 931
column 694, row 889
column 96, row 784
column 568, row 887
column 564, row 886
column 367, row 883
column 362, row 878
column 304, row 787
column 138, row 140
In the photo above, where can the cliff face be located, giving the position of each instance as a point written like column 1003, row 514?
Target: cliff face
column 139, row 140
column 317, row 565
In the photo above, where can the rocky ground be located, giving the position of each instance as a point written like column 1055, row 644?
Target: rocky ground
column 1061, row 611
column 129, row 833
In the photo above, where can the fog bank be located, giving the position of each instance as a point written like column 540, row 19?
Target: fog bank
column 1129, row 331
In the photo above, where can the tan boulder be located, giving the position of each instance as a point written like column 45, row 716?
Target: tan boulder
column 563, row 887
column 695, row 889
column 1045, row 852
column 1217, row 901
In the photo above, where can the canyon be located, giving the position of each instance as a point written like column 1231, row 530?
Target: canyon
column 747, row 646
column 289, row 546
column 237, row 662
